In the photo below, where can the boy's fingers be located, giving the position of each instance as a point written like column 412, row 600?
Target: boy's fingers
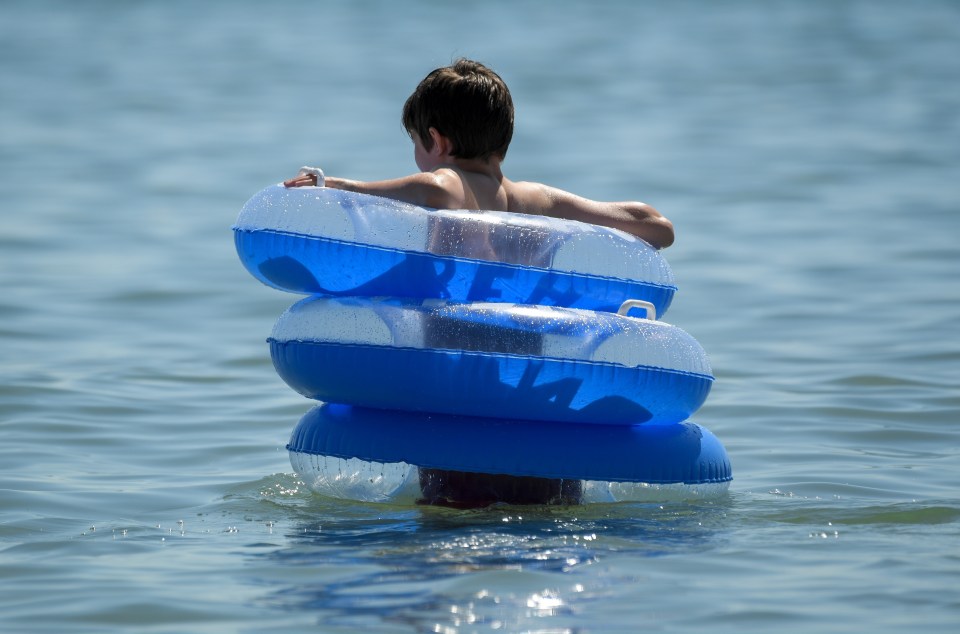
column 300, row 181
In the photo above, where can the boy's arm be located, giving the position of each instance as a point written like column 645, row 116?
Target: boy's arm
column 636, row 218
column 426, row 189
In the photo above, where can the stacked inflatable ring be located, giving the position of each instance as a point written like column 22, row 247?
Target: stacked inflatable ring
column 461, row 354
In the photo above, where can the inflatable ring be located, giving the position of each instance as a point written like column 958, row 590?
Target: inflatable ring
column 493, row 360
column 316, row 240
column 372, row 455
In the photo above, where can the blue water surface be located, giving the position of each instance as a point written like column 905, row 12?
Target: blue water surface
column 806, row 152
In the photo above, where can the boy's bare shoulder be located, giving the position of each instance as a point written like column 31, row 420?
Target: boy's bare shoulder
column 536, row 198
column 527, row 197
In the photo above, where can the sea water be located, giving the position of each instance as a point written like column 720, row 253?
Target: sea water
column 807, row 154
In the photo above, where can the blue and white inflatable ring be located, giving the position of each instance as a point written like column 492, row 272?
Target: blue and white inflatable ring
column 316, row 240
column 491, row 360
column 376, row 456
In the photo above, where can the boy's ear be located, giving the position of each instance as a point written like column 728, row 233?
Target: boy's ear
column 441, row 144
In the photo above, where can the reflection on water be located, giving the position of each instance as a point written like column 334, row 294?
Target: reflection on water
column 402, row 565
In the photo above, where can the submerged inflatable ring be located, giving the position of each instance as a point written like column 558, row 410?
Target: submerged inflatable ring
column 372, row 455
column 317, row 240
column 490, row 360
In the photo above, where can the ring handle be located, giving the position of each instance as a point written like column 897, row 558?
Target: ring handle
column 316, row 172
column 626, row 306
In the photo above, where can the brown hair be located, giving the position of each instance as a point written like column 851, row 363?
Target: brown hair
column 466, row 102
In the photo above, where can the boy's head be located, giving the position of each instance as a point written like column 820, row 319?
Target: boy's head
column 469, row 104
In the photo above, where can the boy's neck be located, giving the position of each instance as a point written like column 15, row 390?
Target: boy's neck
column 487, row 167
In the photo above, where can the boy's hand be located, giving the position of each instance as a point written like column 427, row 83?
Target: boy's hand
column 308, row 177
column 301, row 180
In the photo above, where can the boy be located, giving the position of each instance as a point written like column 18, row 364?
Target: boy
column 460, row 119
